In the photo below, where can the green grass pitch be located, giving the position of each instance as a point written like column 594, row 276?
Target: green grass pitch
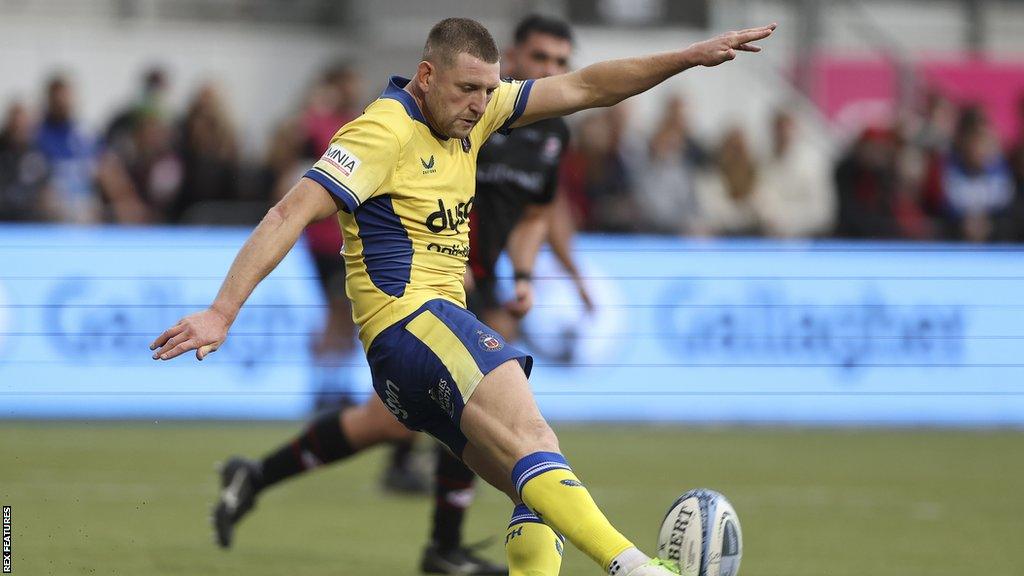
column 133, row 499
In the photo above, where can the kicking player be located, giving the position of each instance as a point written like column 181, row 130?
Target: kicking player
column 517, row 177
column 401, row 180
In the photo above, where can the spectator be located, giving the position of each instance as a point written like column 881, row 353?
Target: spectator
column 609, row 177
column 935, row 133
column 140, row 150
column 209, row 153
column 665, row 191
column 88, row 185
column 725, row 193
column 289, row 156
column 977, row 180
column 910, row 214
column 333, row 101
column 864, row 180
column 71, row 156
column 1010, row 224
column 154, row 167
column 150, row 102
column 794, row 196
column 24, row 172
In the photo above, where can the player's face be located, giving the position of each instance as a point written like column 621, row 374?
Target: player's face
column 539, row 56
column 457, row 95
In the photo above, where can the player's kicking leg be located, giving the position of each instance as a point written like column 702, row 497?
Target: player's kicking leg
column 508, row 436
column 443, row 371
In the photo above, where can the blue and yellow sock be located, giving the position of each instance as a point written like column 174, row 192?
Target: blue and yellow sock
column 548, row 486
column 531, row 546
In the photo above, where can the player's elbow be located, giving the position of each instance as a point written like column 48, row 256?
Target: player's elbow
column 297, row 209
column 607, row 96
column 599, row 98
column 277, row 216
column 598, row 94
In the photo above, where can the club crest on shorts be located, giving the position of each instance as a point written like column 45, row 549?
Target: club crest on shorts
column 488, row 343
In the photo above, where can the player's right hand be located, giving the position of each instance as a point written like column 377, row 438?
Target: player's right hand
column 203, row 332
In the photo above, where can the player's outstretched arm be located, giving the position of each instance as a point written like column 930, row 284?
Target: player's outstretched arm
column 267, row 245
column 610, row 82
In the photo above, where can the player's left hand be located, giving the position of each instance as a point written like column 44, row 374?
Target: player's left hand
column 723, row 47
column 203, row 332
column 524, row 299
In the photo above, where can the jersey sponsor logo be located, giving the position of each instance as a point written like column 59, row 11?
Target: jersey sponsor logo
column 453, row 249
column 345, row 161
column 392, row 402
column 446, row 221
column 488, row 343
column 529, row 180
column 428, row 165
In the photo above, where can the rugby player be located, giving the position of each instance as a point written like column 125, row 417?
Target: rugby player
column 400, row 178
column 517, row 178
column 516, row 182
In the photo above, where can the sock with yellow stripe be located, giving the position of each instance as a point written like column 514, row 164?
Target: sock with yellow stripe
column 548, row 486
column 531, row 546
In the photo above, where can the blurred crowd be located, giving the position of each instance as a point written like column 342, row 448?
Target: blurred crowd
column 939, row 174
column 152, row 165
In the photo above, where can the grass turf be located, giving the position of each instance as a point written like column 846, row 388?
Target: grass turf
column 133, row 499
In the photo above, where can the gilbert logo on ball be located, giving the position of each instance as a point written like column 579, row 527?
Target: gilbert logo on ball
column 701, row 534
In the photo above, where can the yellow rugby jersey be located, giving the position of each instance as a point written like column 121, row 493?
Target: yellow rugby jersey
column 407, row 192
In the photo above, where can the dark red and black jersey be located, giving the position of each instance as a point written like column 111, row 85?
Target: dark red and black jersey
column 512, row 172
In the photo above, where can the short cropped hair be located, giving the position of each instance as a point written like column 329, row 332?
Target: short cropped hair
column 452, row 36
column 537, row 24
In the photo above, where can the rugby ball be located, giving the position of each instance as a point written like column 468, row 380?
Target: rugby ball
column 701, row 533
